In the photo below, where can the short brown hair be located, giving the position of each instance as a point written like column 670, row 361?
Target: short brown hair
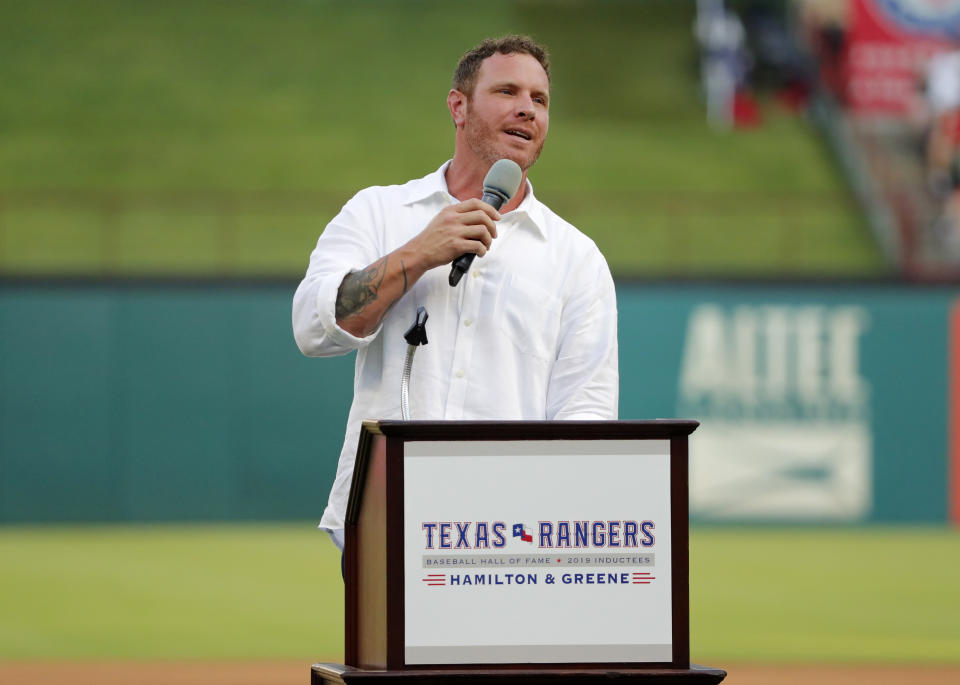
column 465, row 77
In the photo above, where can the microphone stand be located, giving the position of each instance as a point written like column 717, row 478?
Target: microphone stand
column 415, row 336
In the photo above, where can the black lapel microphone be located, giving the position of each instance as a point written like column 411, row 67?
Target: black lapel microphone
column 500, row 184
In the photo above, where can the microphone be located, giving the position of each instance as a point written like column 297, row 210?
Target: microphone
column 500, row 184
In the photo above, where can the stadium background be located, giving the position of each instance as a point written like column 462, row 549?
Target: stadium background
column 165, row 451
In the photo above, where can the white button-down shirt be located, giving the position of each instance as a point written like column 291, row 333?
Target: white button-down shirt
column 530, row 333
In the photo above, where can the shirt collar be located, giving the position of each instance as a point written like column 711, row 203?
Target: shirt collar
column 529, row 212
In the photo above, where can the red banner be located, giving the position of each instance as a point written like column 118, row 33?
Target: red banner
column 889, row 45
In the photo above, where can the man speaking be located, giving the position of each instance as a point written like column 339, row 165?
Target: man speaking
column 529, row 333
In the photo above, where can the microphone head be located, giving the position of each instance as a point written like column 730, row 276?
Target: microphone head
column 503, row 179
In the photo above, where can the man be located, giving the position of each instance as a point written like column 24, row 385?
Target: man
column 530, row 333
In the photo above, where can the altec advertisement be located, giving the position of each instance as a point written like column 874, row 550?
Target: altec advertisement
column 537, row 552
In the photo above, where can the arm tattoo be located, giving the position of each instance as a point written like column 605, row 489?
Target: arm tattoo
column 359, row 289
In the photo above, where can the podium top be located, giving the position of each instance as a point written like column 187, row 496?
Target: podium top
column 532, row 430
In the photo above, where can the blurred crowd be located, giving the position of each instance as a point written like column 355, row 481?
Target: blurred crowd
column 794, row 48
column 745, row 51
column 930, row 115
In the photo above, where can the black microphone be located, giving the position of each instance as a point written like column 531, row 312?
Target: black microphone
column 499, row 185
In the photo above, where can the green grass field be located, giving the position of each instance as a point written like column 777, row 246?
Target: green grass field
column 273, row 592
column 220, row 137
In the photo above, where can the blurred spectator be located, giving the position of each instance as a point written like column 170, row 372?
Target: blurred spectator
column 823, row 24
column 943, row 98
column 943, row 143
column 949, row 221
column 779, row 65
column 724, row 63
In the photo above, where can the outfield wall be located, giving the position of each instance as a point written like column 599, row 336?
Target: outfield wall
column 191, row 402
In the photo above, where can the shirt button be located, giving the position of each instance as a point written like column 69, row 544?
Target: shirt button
column 468, row 322
column 476, row 273
column 460, row 373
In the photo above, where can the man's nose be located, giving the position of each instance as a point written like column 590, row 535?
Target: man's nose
column 526, row 110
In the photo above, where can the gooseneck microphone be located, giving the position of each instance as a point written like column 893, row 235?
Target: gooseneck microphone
column 499, row 185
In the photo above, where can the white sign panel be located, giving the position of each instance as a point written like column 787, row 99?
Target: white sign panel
column 780, row 470
column 537, row 552
column 785, row 410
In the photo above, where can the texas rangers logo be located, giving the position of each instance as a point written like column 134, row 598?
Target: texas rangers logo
column 520, row 531
column 563, row 534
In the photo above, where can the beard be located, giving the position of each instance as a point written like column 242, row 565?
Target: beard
column 482, row 139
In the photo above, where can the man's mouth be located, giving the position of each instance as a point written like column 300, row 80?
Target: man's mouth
column 518, row 134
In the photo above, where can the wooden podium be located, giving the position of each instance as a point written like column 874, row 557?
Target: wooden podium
column 518, row 552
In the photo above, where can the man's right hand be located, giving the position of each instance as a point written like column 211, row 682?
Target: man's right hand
column 365, row 297
column 458, row 229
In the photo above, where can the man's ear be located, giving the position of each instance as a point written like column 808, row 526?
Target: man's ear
column 457, row 104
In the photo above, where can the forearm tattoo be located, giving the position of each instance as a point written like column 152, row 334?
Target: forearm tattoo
column 361, row 288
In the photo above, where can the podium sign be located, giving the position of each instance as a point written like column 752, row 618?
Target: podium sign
column 518, row 551
column 537, row 551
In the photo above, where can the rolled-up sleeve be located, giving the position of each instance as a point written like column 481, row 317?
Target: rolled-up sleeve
column 585, row 379
column 350, row 242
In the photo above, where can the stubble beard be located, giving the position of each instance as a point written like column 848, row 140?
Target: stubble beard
column 481, row 138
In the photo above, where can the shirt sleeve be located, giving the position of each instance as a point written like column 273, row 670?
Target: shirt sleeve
column 585, row 379
column 349, row 243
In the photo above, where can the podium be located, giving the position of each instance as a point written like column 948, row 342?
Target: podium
column 518, row 552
